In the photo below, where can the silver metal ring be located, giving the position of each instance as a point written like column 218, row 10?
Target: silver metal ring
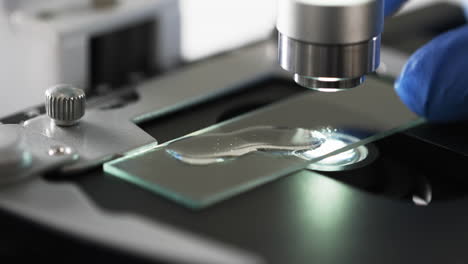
column 328, row 84
column 312, row 62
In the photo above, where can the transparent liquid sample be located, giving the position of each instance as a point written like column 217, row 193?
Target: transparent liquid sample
column 214, row 148
column 335, row 141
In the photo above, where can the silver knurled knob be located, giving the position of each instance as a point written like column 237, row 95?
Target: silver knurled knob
column 65, row 104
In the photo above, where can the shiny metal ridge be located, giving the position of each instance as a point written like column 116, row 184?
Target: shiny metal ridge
column 65, row 104
column 328, row 67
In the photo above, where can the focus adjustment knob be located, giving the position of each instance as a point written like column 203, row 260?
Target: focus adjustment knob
column 65, row 104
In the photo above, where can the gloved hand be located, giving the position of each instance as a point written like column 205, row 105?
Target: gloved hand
column 434, row 82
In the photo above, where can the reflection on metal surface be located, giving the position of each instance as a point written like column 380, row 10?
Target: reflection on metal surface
column 60, row 150
column 25, row 153
column 214, row 148
column 422, row 193
column 99, row 136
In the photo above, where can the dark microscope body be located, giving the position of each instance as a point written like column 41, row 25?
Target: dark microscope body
column 368, row 215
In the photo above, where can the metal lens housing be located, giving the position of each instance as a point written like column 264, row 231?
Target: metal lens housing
column 329, row 68
column 329, row 45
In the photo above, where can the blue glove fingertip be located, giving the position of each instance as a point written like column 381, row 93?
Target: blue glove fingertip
column 404, row 88
column 433, row 83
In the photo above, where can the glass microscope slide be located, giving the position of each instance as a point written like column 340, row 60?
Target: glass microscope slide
column 235, row 156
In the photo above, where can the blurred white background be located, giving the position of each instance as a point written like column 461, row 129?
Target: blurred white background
column 208, row 27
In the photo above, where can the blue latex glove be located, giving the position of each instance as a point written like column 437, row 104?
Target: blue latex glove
column 434, row 82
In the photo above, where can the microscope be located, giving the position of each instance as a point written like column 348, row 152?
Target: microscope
column 98, row 171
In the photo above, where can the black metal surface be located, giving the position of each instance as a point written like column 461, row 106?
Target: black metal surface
column 214, row 111
column 452, row 136
column 308, row 218
column 412, row 30
column 22, row 241
column 402, row 163
column 23, row 116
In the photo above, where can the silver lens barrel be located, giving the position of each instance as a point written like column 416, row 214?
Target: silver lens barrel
column 329, row 45
column 328, row 66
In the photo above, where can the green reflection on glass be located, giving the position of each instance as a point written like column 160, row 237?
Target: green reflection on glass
column 326, row 201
